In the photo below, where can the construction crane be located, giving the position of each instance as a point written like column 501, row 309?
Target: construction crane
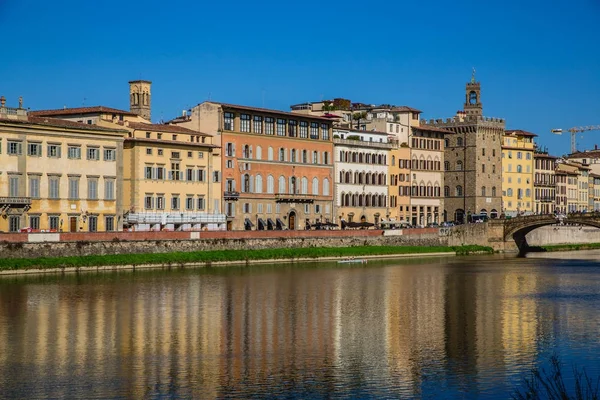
column 574, row 132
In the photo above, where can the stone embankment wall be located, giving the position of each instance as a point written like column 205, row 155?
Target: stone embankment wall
column 551, row 235
column 485, row 234
column 31, row 245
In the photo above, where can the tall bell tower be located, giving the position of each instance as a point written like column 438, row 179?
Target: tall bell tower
column 473, row 104
column 139, row 98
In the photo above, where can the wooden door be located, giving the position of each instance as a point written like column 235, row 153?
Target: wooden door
column 292, row 221
column 72, row 224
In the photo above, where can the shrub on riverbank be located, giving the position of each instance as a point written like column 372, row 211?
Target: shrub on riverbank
column 229, row 255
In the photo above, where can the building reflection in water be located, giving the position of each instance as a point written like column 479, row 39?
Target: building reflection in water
column 376, row 330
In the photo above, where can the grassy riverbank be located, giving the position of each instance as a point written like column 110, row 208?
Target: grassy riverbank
column 571, row 247
column 228, row 255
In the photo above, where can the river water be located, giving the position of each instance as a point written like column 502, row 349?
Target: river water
column 456, row 327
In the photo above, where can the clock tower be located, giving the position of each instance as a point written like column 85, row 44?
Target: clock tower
column 473, row 104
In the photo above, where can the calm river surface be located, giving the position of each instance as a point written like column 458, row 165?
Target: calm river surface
column 458, row 327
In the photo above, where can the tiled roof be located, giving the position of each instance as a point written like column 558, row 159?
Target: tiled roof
column 268, row 111
column 60, row 123
column 544, row 155
column 358, row 131
column 432, row 129
column 80, row 110
column 585, row 154
column 518, row 132
column 163, row 128
column 406, row 108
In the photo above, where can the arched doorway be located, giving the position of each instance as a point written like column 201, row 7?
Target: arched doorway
column 459, row 216
column 292, row 220
column 494, row 214
column 363, row 219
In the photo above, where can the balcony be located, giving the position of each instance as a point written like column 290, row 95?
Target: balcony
column 15, row 201
column 364, row 143
column 230, row 195
column 294, row 198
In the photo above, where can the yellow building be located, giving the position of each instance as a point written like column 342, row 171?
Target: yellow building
column 517, row 172
column 172, row 175
column 58, row 175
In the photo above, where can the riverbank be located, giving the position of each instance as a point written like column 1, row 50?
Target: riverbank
column 570, row 247
column 224, row 257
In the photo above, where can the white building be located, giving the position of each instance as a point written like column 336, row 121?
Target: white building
column 361, row 175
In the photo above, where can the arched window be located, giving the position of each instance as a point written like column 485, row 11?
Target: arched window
column 270, row 154
column 446, row 142
column 360, row 158
column 459, row 165
column 246, row 183
column 459, row 190
column 343, row 199
column 459, row 141
column 325, row 187
column 270, row 184
column 281, row 154
column 483, row 191
column 258, row 184
column 315, row 186
column 246, row 151
column 293, row 185
column 493, row 191
column 258, row 153
column 304, row 185
column 446, row 165
column 293, row 155
column 281, row 188
column 393, row 161
column 348, row 177
column 446, row 191
column 342, row 177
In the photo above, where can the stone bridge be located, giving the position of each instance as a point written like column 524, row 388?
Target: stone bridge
column 518, row 228
column 510, row 234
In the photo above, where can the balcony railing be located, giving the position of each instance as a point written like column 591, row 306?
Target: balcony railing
column 230, row 195
column 364, row 143
column 13, row 201
column 294, row 198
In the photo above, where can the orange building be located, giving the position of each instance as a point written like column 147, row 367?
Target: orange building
column 277, row 166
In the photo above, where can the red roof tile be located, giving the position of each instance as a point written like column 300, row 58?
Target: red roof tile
column 80, row 110
column 268, row 111
column 163, row 128
column 60, row 123
column 518, row 132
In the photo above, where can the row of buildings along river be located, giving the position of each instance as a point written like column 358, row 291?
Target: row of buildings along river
column 226, row 166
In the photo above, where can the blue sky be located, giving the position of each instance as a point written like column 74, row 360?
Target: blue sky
column 538, row 61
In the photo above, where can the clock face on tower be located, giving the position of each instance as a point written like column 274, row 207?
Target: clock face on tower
column 472, row 98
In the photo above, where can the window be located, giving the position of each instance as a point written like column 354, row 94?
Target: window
column 519, row 168
column 14, row 148
column 53, row 222
column 189, row 203
column 148, row 172
column 459, row 190
column 34, row 187
column 53, row 187
column 14, row 223
column 509, row 192
column 270, row 154
column 292, row 128
column 160, row 152
column 483, row 191
column 228, row 121
column 257, row 124
column 528, row 157
column 325, row 187
column 315, row 157
column 174, row 173
column 160, row 172
column 245, row 123
column 109, row 189
column 175, row 203
column 201, row 175
column 74, row 188
column 160, row 201
column 189, row 174
column 148, row 151
column 282, row 154
column 269, row 121
column 519, row 155
column 175, row 154
column 280, row 127
column 324, row 132
column 493, row 168
column 304, row 156
column 148, row 135
column 201, row 203
column 93, row 153
column 446, row 165
column 293, row 155
column 303, row 129
column 216, row 176
column 200, row 154
column 54, row 150
column 270, row 184
column 493, row 152
column 34, row 149
column 13, row 189
column 493, row 191
column 446, row 191
column 109, row 223
column 74, row 152
column 110, row 154
column 315, row 186
column 258, row 153
column 314, row 130
column 92, row 189
column 483, row 151
column 459, row 165
column 258, row 185
column 459, row 141
column 93, row 223
column 483, row 168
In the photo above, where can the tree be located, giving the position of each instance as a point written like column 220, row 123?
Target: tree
column 358, row 116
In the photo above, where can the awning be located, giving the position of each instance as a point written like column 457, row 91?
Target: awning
column 280, row 224
column 262, row 225
column 270, row 224
column 248, row 222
